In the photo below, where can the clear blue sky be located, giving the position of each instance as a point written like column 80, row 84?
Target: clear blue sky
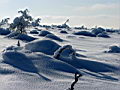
column 104, row 13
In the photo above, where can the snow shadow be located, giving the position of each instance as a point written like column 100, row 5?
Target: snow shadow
column 20, row 61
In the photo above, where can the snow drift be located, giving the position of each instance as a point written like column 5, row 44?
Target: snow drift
column 44, row 46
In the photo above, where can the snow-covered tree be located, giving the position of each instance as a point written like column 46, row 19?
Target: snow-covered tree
column 21, row 22
column 36, row 22
column 4, row 21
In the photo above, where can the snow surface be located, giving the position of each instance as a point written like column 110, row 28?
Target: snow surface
column 33, row 67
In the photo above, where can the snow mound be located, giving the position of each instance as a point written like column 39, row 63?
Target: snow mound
column 19, row 60
column 34, row 32
column 63, row 31
column 114, row 49
column 24, row 37
column 44, row 33
column 40, row 64
column 103, row 34
column 54, row 37
column 85, row 33
column 45, row 46
column 12, row 34
column 98, row 30
column 4, row 31
column 19, row 36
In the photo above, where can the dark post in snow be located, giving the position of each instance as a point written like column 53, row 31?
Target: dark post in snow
column 18, row 44
column 77, row 75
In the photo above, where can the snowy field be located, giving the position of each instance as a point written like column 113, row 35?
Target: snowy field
column 33, row 67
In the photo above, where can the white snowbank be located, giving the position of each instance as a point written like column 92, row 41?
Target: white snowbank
column 45, row 46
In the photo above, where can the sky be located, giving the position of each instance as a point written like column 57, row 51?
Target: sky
column 91, row 13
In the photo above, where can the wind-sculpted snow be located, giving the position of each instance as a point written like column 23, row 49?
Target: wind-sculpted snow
column 33, row 65
column 38, row 63
column 45, row 46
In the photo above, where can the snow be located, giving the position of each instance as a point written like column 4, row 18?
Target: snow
column 4, row 31
column 54, row 37
column 17, row 35
column 45, row 46
column 32, row 66
column 114, row 49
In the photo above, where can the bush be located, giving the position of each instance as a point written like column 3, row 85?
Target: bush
column 63, row 31
column 103, row 34
column 85, row 33
column 4, row 31
column 114, row 49
column 34, row 32
column 98, row 30
column 44, row 33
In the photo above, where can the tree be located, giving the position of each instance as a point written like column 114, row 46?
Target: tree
column 4, row 21
column 36, row 22
column 21, row 22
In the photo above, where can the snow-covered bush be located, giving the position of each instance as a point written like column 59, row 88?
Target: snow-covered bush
column 12, row 34
column 44, row 33
column 44, row 46
column 103, row 34
column 34, row 32
column 114, row 49
column 63, row 31
column 17, row 35
column 4, row 31
column 24, row 37
column 85, row 33
column 65, row 52
column 54, row 37
column 96, row 31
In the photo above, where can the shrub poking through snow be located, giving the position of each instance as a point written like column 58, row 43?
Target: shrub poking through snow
column 77, row 76
column 114, row 49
